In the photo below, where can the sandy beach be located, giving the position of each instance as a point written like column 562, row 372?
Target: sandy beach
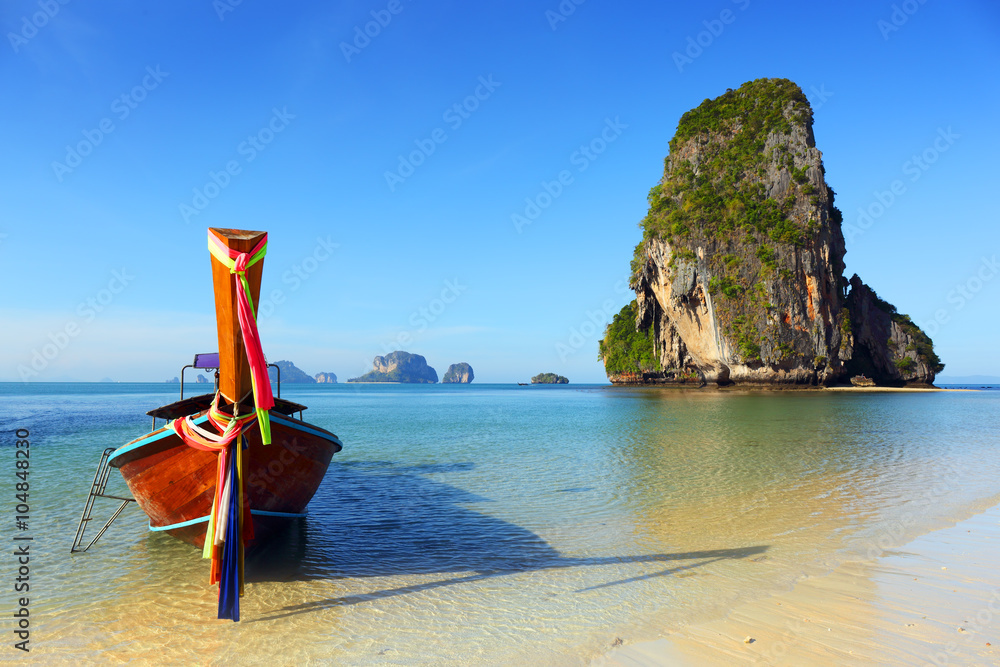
column 935, row 601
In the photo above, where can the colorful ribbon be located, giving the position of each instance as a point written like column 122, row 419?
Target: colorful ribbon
column 238, row 262
column 230, row 524
column 229, row 427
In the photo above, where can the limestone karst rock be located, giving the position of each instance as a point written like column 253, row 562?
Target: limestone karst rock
column 739, row 277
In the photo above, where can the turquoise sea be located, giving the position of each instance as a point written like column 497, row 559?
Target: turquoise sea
column 494, row 524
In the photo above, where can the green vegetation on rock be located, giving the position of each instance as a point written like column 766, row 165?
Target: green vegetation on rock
column 759, row 105
column 549, row 378
column 923, row 345
column 626, row 350
column 725, row 159
column 724, row 194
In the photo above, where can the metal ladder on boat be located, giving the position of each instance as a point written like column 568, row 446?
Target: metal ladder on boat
column 97, row 491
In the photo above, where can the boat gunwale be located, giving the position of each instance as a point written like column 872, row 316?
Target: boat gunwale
column 166, row 431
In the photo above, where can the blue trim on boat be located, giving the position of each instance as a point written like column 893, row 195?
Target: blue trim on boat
column 191, row 522
column 145, row 440
column 306, row 429
column 182, row 524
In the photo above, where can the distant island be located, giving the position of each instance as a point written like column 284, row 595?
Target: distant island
column 549, row 378
column 290, row 373
column 402, row 367
column 739, row 276
column 460, row 373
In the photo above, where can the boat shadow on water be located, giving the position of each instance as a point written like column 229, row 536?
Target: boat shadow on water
column 382, row 519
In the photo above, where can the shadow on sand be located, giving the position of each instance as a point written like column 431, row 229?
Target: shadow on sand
column 382, row 519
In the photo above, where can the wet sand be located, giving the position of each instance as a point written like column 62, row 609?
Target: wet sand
column 934, row 601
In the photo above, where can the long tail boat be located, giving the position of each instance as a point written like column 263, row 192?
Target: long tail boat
column 230, row 468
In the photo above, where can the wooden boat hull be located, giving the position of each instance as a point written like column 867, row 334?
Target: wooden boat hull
column 174, row 484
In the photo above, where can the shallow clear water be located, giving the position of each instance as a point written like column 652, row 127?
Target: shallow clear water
column 497, row 524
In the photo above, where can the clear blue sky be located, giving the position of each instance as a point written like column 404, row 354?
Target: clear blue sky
column 433, row 258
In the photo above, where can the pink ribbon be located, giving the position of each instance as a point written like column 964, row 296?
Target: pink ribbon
column 263, row 398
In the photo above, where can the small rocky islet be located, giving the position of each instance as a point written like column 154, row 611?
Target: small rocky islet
column 739, row 276
column 549, row 378
column 399, row 366
column 408, row 368
column 460, row 373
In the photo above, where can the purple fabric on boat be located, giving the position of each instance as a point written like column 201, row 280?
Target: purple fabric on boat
column 206, row 360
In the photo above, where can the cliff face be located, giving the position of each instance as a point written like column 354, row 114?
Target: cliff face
column 326, row 378
column 739, row 276
column 460, row 373
column 399, row 367
column 885, row 345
